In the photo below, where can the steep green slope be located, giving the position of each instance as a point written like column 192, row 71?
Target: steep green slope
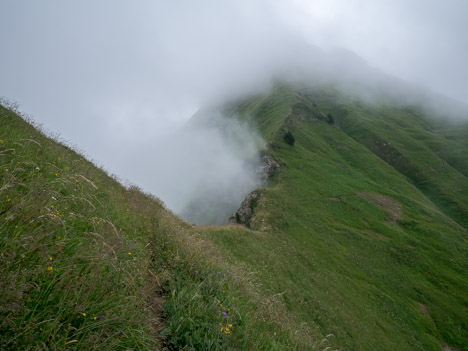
column 87, row 264
column 361, row 232
column 74, row 263
column 436, row 164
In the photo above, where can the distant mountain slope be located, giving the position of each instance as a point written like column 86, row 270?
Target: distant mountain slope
column 435, row 161
column 362, row 231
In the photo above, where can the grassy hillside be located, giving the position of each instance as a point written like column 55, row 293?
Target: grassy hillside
column 86, row 264
column 359, row 242
column 363, row 231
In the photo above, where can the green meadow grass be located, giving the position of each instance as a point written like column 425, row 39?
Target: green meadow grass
column 86, row 263
column 356, row 241
column 74, row 262
column 359, row 242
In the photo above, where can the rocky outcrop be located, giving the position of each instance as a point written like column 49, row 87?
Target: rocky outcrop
column 307, row 112
column 396, row 159
column 245, row 212
column 266, row 167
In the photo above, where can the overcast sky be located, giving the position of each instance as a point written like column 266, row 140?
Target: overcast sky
column 115, row 76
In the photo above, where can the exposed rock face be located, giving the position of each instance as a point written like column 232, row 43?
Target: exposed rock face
column 307, row 112
column 386, row 203
column 392, row 156
column 267, row 167
column 244, row 214
column 264, row 170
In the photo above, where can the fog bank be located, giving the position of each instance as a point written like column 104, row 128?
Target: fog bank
column 120, row 79
column 204, row 170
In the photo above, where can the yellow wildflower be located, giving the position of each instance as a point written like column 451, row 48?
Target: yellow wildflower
column 83, row 314
column 129, row 253
column 49, row 268
column 227, row 331
column 230, row 325
column 222, row 328
column 6, row 169
column 56, row 174
column 94, row 317
column 50, row 258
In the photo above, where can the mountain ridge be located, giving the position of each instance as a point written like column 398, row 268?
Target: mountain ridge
column 359, row 235
column 316, row 209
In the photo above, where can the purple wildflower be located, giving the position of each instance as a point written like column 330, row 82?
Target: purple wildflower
column 74, row 190
column 225, row 314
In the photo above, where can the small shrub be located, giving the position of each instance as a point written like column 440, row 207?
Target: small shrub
column 289, row 138
column 330, row 119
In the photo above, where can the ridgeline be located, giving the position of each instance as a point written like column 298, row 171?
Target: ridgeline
column 358, row 242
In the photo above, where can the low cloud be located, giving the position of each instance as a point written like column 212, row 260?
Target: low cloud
column 120, row 79
column 204, row 170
